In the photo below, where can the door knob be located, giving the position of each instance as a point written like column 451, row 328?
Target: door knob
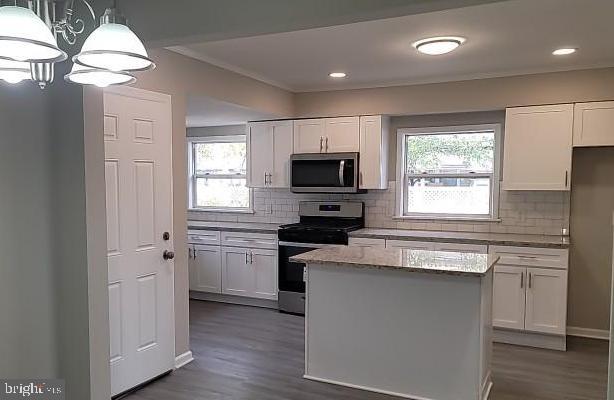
column 168, row 255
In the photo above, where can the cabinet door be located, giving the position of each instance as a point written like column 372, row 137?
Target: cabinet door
column 594, row 124
column 341, row 135
column 537, row 148
column 207, row 266
column 264, row 267
column 280, row 154
column 509, row 297
column 409, row 244
column 237, row 274
column 546, row 301
column 373, row 152
column 308, row 135
column 259, row 153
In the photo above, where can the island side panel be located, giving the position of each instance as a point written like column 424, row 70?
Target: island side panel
column 486, row 334
column 417, row 335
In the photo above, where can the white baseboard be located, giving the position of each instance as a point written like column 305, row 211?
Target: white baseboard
column 602, row 334
column 183, row 359
column 365, row 388
column 530, row 339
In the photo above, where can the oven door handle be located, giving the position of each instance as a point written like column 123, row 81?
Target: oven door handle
column 342, row 173
column 307, row 245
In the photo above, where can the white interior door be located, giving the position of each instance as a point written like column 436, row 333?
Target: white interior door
column 137, row 135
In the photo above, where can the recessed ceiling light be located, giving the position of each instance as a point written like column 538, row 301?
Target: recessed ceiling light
column 337, row 74
column 439, row 45
column 564, row 51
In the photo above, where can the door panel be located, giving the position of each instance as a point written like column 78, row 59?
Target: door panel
column 343, row 135
column 260, row 143
column 282, row 149
column 206, row 275
column 139, row 209
column 546, row 301
column 237, row 274
column 509, row 297
column 265, row 273
column 308, row 135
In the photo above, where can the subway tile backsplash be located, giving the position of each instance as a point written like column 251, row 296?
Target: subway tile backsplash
column 534, row 212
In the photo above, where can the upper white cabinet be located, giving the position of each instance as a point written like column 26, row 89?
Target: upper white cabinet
column 269, row 148
column 373, row 152
column 538, row 144
column 594, row 124
column 327, row 135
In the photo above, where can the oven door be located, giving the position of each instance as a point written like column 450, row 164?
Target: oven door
column 324, row 173
column 291, row 276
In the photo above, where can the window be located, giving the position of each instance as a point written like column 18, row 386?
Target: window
column 449, row 172
column 217, row 174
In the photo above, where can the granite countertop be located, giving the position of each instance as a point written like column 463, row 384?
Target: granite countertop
column 503, row 239
column 425, row 261
column 233, row 226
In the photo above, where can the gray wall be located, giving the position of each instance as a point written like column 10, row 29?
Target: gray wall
column 28, row 303
column 592, row 205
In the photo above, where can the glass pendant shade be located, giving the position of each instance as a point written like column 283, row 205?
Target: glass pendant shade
column 101, row 78
column 25, row 37
column 14, row 71
column 114, row 47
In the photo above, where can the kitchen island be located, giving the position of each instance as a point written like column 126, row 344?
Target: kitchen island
column 410, row 323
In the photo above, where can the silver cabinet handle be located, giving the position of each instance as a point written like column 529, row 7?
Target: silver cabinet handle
column 566, row 178
column 246, row 257
column 360, row 178
column 265, row 180
column 326, row 151
column 321, row 140
column 194, row 252
column 527, row 257
column 189, row 253
column 251, row 257
column 530, row 280
column 522, row 280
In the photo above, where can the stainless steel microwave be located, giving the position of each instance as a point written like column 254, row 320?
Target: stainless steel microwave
column 324, row 173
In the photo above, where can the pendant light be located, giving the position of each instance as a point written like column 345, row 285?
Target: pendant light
column 98, row 77
column 25, row 37
column 13, row 71
column 113, row 46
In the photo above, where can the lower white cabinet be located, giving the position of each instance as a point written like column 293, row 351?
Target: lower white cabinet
column 367, row 242
column 530, row 290
column 409, row 244
column 205, row 266
column 249, row 272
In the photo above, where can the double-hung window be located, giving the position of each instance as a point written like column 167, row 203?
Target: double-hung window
column 217, row 173
column 448, row 172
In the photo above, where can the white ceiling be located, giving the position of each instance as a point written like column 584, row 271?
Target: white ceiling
column 205, row 111
column 506, row 38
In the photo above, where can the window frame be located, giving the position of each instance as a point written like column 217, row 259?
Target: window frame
column 193, row 176
column 402, row 176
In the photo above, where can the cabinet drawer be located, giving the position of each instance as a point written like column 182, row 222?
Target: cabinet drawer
column 409, row 244
column 253, row 240
column 203, row 237
column 462, row 247
column 367, row 242
column 531, row 256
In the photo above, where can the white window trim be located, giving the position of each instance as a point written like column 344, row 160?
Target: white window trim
column 192, row 176
column 401, row 177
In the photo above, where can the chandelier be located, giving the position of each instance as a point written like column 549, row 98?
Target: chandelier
column 29, row 48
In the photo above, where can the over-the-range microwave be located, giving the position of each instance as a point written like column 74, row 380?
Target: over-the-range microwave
column 324, row 173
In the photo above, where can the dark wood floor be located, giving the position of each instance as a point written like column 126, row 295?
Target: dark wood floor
column 247, row 353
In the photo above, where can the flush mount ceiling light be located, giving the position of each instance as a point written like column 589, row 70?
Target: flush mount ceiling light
column 98, row 77
column 13, row 71
column 564, row 51
column 29, row 35
column 436, row 46
column 113, row 46
column 337, row 74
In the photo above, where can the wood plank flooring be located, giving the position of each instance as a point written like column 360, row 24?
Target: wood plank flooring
column 248, row 353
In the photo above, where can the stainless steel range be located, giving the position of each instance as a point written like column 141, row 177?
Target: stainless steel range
column 321, row 223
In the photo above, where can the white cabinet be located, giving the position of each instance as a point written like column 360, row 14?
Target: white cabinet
column 374, row 152
column 326, row 135
column 531, row 133
column 205, row 266
column 546, row 307
column 269, row 147
column 367, row 242
column 341, row 135
column 249, row 272
column 594, row 124
column 461, row 247
column 309, row 135
column 509, row 297
column 409, row 244
column 530, row 289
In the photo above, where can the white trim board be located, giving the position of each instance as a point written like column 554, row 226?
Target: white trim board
column 183, row 359
column 602, row 334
